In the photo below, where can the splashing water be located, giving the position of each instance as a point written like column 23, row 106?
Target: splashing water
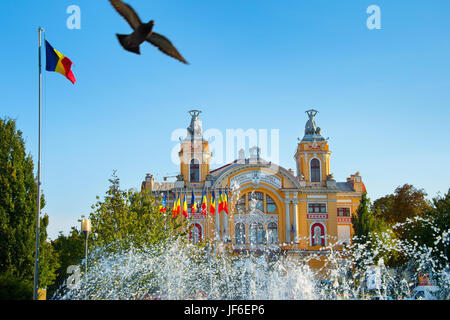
column 176, row 269
column 186, row 271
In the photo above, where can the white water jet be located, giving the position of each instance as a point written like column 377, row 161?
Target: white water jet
column 176, row 270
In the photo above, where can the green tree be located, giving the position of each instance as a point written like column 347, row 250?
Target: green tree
column 18, row 209
column 70, row 251
column 440, row 214
column 403, row 222
column 126, row 219
column 406, row 202
column 365, row 223
column 431, row 229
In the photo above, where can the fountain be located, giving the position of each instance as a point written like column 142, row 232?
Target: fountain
column 179, row 270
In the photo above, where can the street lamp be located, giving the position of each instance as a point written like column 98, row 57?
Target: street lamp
column 86, row 228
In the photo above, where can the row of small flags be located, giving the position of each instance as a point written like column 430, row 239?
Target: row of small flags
column 223, row 204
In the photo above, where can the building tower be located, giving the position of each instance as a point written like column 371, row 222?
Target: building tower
column 313, row 155
column 194, row 154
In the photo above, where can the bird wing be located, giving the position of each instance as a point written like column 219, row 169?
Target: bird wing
column 127, row 12
column 164, row 45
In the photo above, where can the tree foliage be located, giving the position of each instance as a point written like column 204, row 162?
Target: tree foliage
column 18, row 211
column 431, row 228
column 365, row 223
column 125, row 219
column 404, row 222
column 406, row 202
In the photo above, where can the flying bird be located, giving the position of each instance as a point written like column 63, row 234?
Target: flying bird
column 142, row 32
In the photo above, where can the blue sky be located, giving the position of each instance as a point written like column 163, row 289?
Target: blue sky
column 383, row 95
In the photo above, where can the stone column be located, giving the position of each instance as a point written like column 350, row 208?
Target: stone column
column 296, row 220
column 288, row 220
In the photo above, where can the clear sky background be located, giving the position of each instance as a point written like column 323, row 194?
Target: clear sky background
column 383, row 95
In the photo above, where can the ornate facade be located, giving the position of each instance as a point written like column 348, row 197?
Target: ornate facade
column 268, row 205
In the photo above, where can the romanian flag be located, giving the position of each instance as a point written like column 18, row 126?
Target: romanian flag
column 203, row 202
column 193, row 204
column 185, row 206
column 57, row 62
column 178, row 208
column 212, row 208
column 225, row 202
column 175, row 211
column 220, row 201
column 162, row 206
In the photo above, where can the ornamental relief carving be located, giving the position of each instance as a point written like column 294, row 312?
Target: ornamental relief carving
column 256, row 216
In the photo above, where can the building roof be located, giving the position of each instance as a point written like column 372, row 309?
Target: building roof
column 345, row 186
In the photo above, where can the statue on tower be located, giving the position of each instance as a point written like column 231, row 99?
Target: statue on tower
column 195, row 128
column 311, row 127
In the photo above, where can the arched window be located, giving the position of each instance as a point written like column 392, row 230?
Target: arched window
column 272, row 233
column 240, row 233
column 195, row 234
column 315, row 170
column 317, row 235
column 271, row 206
column 240, row 204
column 263, row 202
column 194, row 170
column 259, row 196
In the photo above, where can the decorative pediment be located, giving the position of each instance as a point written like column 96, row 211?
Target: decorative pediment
column 255, row 177
column 270, row 174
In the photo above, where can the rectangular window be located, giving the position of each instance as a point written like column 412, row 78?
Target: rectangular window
column 344, row 234
column 343, row 212
column 317, row 208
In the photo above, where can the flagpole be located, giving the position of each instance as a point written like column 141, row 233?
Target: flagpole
column 36, row 260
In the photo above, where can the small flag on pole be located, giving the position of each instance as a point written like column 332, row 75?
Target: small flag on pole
column 184, row 206
column 193, row 203
column 225, row 202
column 220, row 201
column 175, row 207
column 178, row 204
column 203, row 202
column 57, row 62
column 212, row 208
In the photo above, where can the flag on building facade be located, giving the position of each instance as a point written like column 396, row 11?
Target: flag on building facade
column 185, row 210
column 220, row 201
column 203, row 202
column 212, row 207
column 57, row 62
column 225, row 201
column 193, row 203
column 176, row 205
